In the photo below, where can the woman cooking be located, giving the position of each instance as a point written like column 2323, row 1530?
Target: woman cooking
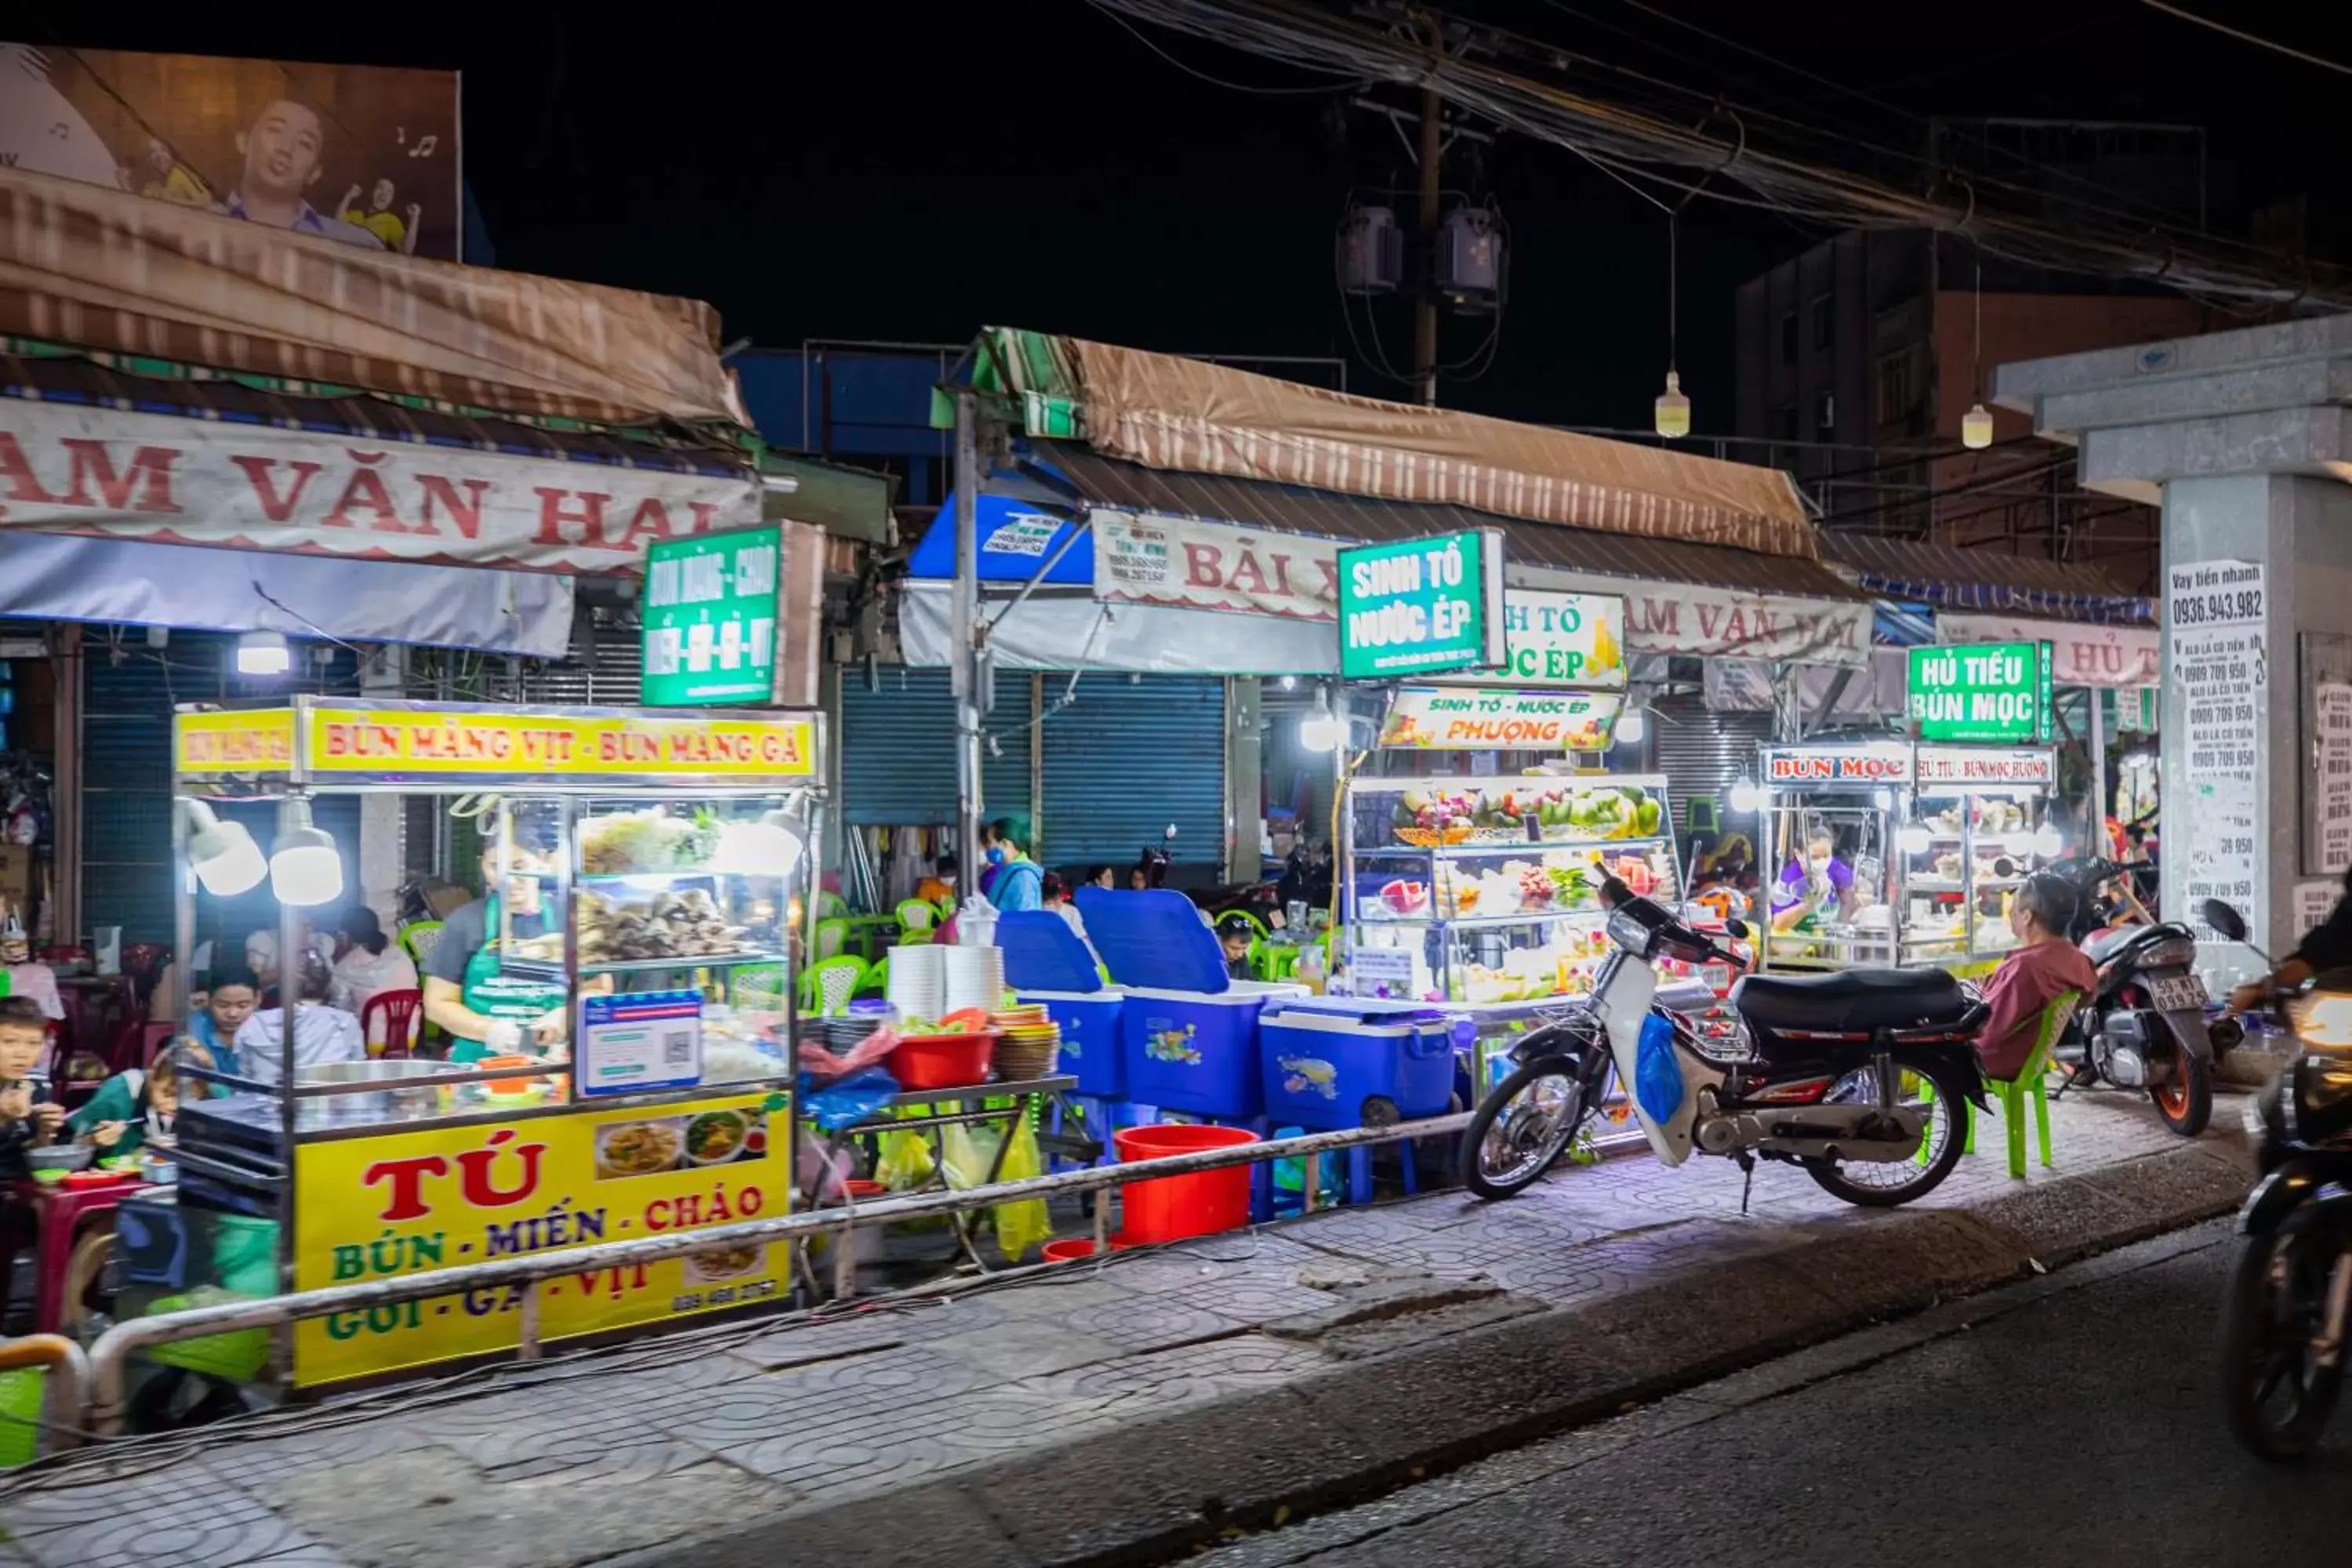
column 1819, row 885
column 486, row 1012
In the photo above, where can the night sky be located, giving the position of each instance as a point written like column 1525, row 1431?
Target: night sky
column 909, row 171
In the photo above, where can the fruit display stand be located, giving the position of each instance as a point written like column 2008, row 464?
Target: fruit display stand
column 1484, row 894
column 642, row 864
column 1936, row 837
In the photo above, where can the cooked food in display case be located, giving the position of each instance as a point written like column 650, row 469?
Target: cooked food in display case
column 1493, row 885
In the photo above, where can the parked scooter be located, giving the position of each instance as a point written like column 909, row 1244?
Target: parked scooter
column 2289, row 1303
column 2144, row 1026
column 1856, row 1077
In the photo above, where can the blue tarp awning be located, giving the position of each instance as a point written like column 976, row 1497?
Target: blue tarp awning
column 1015, row 537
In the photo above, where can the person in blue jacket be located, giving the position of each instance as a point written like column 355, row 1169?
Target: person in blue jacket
column 1016, row 882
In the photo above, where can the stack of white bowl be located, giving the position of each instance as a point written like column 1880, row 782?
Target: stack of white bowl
column 918, row 982
column 975, row 977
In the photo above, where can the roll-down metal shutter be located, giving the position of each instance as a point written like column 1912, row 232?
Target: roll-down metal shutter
column 1702, row 753
column 1128, row 758
column 898, row 748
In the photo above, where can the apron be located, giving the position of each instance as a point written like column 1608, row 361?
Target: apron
column 497, row 996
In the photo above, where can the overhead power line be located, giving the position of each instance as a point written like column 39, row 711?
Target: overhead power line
column 1678, row 142
column 2261, row 43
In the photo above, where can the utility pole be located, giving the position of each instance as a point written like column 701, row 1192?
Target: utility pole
column 1424, row 310
column 967, row 672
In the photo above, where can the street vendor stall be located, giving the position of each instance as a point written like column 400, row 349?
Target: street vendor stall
column 621, row 1024
column 1899, row 852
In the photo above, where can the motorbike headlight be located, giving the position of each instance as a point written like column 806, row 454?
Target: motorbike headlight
column 2323, row 1021
column 2323, row 1101
column 1630, row 931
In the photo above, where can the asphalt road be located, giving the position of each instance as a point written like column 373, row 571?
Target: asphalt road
column 2070, row 1421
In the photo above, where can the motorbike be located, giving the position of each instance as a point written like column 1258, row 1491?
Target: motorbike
column 2286, row 1317
column 2145, row 1026
column 1857, row 1077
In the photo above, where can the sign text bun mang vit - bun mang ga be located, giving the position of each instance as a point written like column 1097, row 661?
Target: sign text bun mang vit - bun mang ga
column 393, row 741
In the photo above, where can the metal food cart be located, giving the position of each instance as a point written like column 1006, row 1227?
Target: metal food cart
column 1934, row 840
column 645, row 869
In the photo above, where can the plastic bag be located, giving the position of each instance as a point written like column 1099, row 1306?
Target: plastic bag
column 1023, row 1225
column 846, row 1100
column 1657, row 1074
column 965, row 1155
column 905, row 1161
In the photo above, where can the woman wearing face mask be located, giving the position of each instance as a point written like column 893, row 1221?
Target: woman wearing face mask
column 1818, row 882
column 1018, row 882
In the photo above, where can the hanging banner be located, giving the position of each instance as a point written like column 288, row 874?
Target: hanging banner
column 1461, row 719
column 66, row 469
column 1892, row 762
column 1564, row 640
column 2113, row 657
column 1686, row 618
column 2214, row 622
column 1190, row 564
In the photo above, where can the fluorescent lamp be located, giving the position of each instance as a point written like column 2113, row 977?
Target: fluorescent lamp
column 768, row 846
column 304, row 869
column 1322, row 731
column 223, row 855
column 262, row 653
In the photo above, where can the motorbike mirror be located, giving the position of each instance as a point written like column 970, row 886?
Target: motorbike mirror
column 2224, row 920
column 1736, row 927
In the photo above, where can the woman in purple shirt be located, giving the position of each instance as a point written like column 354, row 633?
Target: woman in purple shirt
column 1804, row 886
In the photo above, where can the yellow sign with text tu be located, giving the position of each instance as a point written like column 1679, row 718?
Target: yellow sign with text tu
column 231, row 740
column 443, row 1198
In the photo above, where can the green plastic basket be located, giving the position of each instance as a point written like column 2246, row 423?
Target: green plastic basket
column 20, row 1415
column 237, row 1355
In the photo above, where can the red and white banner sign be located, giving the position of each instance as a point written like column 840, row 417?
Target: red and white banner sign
column 1684, row 618
column 68, row 470
column 2114, row 656
column 1195, row 565
column 1895, row 762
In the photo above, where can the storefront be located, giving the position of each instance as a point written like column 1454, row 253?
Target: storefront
column 636, row 943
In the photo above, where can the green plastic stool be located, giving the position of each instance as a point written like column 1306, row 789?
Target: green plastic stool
column 2032, row 1079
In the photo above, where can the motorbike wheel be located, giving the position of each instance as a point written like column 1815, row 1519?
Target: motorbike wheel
column 1884, row 1184
column 2186, row 1102
column 2277, row 1396
column 1522, row 1126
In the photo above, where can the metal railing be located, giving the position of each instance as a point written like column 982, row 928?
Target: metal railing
column 109, row 1358
column 65, row 1396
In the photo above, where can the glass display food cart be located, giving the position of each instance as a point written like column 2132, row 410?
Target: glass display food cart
column 1932, row 841
column 642, row 870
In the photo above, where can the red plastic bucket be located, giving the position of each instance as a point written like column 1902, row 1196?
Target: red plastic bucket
column 1067, row 1251
column 942, row 1061
column 1170, row 1208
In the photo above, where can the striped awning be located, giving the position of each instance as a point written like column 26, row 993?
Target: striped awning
column 1111, row 482
column 1947, row 577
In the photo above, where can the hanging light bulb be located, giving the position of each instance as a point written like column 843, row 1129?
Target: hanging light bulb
column 1631, row 727
column 1673, row 409
column 2048, row 842
column 223, row 855
column 1912, row 839
column 1744, row 797
column 1976, row 429
column 304, row 867
column 262, row 653
column 1322, row 731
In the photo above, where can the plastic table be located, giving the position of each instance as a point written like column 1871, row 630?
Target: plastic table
column 58, row 1213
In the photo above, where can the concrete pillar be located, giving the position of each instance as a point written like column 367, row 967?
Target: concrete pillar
column 383, row 863
column 1244, row 770
column 2241, row 439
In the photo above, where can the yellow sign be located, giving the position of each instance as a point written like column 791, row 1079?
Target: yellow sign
column 394, row 740
column 258, row 741
column 370, row 1208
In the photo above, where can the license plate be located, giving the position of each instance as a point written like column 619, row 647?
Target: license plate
column 2177, row 994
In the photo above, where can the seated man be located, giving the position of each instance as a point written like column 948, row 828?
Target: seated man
column 2044, row 967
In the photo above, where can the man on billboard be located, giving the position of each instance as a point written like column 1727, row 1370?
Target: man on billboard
column 280, row 149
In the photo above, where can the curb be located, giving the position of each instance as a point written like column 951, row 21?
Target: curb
column 1154, row 1490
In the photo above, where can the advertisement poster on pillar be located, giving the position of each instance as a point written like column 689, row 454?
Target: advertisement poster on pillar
column 364, row 155
column 66, row 468
column 2214, row 614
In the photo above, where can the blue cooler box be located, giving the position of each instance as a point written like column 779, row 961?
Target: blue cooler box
column 1188, row 1033
column 1327, row 1069
column 1044, row 963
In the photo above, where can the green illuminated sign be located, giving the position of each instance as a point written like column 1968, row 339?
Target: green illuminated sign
column 1987, row 692
column 1417, row 606
column 710, row 618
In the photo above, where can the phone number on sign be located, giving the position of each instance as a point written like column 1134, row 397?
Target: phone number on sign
column 2222, row 604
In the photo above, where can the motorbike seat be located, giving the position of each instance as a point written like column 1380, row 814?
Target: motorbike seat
column 1850, row 1001
column 2100, row 946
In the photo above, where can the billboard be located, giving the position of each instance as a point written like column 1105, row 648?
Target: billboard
column 363, row 154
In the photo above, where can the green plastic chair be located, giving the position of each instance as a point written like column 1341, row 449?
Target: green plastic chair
column 1274, row 961
column 877, row 979
column 832, row 938
column 2032, row 1079
column 829, row 983
column 417, row 939
column 916, row 919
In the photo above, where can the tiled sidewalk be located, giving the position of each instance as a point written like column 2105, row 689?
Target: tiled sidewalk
column 579, row 1461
